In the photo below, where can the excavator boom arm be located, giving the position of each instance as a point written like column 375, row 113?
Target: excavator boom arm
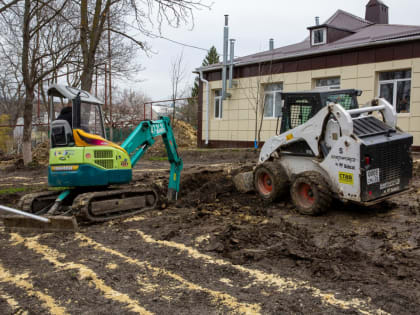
column 142, row 138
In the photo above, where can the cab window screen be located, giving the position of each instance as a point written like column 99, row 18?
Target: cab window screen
column 345, row 100
column 298, row 111
column 299, row 114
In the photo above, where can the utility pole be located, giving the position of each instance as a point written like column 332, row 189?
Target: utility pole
column 110, row 75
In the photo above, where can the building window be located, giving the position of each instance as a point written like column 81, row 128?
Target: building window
column 328, row 83
column 218, row 107
column 395, row 87
column 272, row 100
column 319, row 36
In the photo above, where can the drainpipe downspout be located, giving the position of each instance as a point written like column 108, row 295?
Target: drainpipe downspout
column 232, row 56
column 207, row 106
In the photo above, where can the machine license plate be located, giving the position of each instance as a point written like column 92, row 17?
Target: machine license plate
column 372, row 176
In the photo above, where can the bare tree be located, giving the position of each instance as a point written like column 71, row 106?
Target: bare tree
column 8, row 5
column 127, row 19
column 37, row 42
column 39, row 39
column 177, row 76
column 11, row 94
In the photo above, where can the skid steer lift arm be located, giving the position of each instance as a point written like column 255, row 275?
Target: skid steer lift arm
column 142, row 138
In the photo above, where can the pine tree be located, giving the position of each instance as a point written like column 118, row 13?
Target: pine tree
column 189, row 111
column 212, row 57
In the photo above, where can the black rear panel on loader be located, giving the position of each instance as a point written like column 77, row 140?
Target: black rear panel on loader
column 385, row 162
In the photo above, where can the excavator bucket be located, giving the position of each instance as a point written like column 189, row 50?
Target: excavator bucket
column 54, row 224
column 24, row 221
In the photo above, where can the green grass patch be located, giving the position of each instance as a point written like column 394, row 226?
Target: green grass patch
column 158, row 158
column 58, row 188
column 13, row 190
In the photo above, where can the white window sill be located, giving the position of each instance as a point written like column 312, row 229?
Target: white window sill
column 271, row 118
column 403, row 114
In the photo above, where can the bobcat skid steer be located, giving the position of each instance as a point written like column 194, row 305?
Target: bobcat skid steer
column 326, row 150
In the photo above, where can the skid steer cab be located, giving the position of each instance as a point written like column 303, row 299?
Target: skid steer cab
column 330, row 148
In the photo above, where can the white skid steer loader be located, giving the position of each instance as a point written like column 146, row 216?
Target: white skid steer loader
column 326, row 151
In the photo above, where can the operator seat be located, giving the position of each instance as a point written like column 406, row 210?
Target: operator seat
column 61, row 133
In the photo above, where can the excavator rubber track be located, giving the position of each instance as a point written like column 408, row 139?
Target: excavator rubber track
column 36, row 202
column 108, row 205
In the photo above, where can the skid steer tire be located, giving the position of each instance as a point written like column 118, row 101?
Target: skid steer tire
column 270, row 181
column 310, row 194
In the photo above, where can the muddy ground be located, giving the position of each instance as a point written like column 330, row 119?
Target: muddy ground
column 215, row 251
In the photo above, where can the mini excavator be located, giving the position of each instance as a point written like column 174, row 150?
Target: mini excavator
column 91, row 169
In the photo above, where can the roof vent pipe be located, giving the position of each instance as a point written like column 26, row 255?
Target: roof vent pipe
column 225, row 55
column 232, row 56
column 317, row 20
column 271, row 44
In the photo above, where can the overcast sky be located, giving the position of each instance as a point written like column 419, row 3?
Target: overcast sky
column 252, row 24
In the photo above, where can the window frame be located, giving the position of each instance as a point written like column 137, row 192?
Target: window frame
column 328, row 87
column 395, row 88
column 274, row 100
column 218, row 98
column 324, row 33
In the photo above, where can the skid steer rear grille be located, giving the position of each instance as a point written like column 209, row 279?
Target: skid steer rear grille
column 388, row 160
column 390, row 156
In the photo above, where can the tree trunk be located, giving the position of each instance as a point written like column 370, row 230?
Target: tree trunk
column 86, row 78
column 27, row 128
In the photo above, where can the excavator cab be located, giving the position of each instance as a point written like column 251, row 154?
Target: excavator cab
column 85, row 114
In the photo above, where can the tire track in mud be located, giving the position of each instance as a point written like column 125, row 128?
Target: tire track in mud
column 13, row 305
column 22, row 281
column 284, row 285
column 212, row 298
column 53, row 256
column 263, row 279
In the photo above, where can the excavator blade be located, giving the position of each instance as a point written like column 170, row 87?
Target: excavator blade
column 55, row 224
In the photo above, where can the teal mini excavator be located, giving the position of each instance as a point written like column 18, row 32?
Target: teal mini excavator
column 93, row 170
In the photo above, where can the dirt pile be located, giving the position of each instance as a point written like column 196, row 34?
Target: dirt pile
column 416, row 167
column 185, row 136
column 9, row 160
column 6, row 157
column 40, row 156
column 40, row 153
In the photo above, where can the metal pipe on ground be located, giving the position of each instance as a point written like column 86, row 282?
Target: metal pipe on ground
column 23, row 213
